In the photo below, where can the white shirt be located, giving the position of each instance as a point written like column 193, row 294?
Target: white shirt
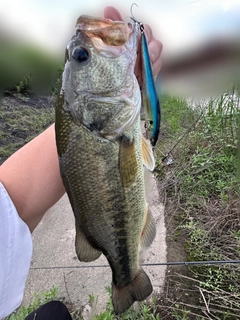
column 15, row 255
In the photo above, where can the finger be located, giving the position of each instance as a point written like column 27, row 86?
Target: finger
column 155, row 50
column 156, row 67
column 112, row 13
column 154, row 45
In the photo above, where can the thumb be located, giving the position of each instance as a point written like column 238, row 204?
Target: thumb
column 112, row 13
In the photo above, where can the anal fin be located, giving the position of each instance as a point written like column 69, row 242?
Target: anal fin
column 149, row 230
column 137, row 290
column 85, row 251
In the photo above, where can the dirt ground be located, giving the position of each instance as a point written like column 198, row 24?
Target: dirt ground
column 21, row 119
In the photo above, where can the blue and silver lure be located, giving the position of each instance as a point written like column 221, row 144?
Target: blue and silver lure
column 150, row 99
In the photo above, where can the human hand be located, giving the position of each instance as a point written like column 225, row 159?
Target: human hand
column 154, row 45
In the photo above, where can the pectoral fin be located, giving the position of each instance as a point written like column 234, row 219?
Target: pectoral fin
column 149, row 230
column 147, row 154
column 85, row 251
column 127, row 161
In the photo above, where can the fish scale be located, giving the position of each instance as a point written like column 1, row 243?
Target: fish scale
column 99, row 144
column 86, row 196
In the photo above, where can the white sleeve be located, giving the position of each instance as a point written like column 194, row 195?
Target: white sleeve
column 15, row 255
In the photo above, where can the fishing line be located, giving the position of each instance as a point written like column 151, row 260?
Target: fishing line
column 172, row 263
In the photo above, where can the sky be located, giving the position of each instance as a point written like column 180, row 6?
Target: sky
column 178, row 24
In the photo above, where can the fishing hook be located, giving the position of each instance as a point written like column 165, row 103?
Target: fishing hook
column 141, row 26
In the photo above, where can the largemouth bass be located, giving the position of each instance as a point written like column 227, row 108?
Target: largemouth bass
column 101, row 153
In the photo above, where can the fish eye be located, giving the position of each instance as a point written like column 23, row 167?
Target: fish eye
column 80, row 54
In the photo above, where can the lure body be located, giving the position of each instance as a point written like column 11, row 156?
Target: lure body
column 150, row 99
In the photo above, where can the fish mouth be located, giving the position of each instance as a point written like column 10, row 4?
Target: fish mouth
column 111, row 33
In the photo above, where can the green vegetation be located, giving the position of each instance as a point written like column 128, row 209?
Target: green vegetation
column 37, row 301
column 202, row 196
column 25, row 71
column 21, row 119
column 26, row 68
column 141, row 312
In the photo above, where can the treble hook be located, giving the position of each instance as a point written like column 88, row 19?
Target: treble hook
column 141, row 26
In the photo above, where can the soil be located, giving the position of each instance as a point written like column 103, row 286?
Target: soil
column 21, row 119
column 178, row 289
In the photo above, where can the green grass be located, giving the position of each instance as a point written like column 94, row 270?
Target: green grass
column 176, row 115
column 202, row 195
column 37, row 301
column 25, row 68
column 143, row 311
column 21, row 119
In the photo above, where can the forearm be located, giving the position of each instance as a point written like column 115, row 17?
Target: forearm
column 32, row 178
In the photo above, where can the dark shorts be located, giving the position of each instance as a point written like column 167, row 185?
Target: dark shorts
column 53, row 310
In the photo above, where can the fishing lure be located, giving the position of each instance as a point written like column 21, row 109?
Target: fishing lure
column 150, row 98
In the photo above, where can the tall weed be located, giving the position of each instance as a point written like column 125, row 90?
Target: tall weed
column 201, row 191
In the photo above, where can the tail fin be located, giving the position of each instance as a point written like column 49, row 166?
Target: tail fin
column 137, row 290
